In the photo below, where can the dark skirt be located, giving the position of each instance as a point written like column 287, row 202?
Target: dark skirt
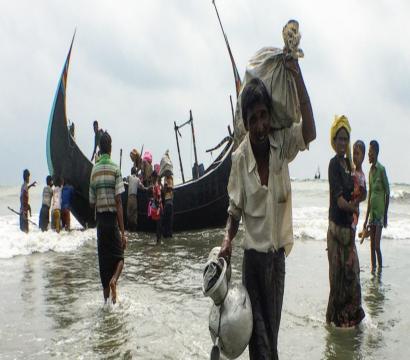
column 110, row 250
column 167, row 218
column 44, row 219
column 345, row 299
column 132, row 212
column 264, row 278
column 24, row 221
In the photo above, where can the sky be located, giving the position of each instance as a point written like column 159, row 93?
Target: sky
column 138, row 66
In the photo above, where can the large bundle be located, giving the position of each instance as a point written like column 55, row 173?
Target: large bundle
column 166, row 167
column 268, row 64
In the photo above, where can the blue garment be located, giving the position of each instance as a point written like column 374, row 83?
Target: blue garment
column 66, row 196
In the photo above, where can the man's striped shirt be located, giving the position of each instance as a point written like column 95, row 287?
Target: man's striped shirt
column 105, row 183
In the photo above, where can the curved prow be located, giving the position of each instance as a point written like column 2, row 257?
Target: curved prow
column 64, row 158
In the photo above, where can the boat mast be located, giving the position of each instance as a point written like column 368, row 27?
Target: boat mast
column 179, row 153
column 176, row 129
column 196, row 165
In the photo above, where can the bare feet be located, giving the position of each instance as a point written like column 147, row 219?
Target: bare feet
column 113, row 287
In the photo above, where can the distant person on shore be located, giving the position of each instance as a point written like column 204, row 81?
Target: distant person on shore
column 359, row 179
column 44, row 218
column 25, row 208
column 97, row 136
column 66, row 200
column 345, row 299
column 168, row 216
column 260, row 193
column 378, row 204
column 134, row 183
column 106, row 187
column 56, row 203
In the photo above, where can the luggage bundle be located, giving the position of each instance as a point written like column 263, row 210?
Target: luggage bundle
column 166, row 167
column 268, row 64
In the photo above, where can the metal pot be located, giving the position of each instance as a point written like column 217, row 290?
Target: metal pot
column 219, row 290
column 231, row 323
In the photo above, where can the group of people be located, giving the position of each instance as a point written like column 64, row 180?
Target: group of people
column 259, row 192
column 347, row 185
column 158, row 181
column 56, row 196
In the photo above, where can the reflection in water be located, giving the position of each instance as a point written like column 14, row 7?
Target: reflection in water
column 375, row 295
column 364, row 340
column 344, row 344
column 27, row 285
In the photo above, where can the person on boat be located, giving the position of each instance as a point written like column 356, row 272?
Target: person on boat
column 25, row 208
column 168, row 215
column 260, row 193
column 344, row 307
column 44, row 218
column 134, row 183
column 106, row 187
column 67, row 193
column 97, row 137
column 56, row 203
column 136, row 159
column 378, row 204
column 147, row 169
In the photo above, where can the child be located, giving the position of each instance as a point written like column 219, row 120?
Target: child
column 359, row 179
column 45, row 208
column 56, row 204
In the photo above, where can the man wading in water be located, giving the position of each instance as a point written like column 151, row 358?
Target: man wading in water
column 259, row 192
column 106, row 186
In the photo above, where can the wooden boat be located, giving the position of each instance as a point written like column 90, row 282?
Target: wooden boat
column 199, row 203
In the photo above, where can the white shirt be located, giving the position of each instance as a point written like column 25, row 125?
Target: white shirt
column 56, row 202
column 266, row 211
column 133, row 184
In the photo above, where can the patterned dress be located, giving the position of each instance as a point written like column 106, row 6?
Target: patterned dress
column 344, row 307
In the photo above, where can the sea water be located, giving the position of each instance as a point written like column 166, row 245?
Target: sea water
column 51, row 299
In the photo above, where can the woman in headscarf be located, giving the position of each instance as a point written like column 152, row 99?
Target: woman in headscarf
column 344, row 308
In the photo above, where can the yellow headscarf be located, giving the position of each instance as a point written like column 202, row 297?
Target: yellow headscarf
column 339, row 122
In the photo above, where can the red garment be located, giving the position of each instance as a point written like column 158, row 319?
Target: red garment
column 359, row 180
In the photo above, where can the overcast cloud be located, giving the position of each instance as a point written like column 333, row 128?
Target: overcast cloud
column 138, row 66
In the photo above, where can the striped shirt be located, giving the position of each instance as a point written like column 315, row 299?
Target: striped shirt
column 105, row 183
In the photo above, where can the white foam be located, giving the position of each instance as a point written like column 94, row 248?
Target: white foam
column 14, row 242
column 312, row 223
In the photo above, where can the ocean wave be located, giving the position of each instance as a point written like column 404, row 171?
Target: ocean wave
column 311, row 223
column 14, row 242
column 400, row 194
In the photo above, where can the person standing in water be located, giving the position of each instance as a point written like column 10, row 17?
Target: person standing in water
column 44, row 219
column 25, row 208
column 56, row 203
column 134, row 183
column 66, row 198
column 106, row 187
column 378, row 204
column 168, row 217
column 344, row 307
column 260, row 193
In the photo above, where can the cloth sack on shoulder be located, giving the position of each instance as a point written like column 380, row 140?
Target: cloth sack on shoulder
column 166, row 167
column 268, row 65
